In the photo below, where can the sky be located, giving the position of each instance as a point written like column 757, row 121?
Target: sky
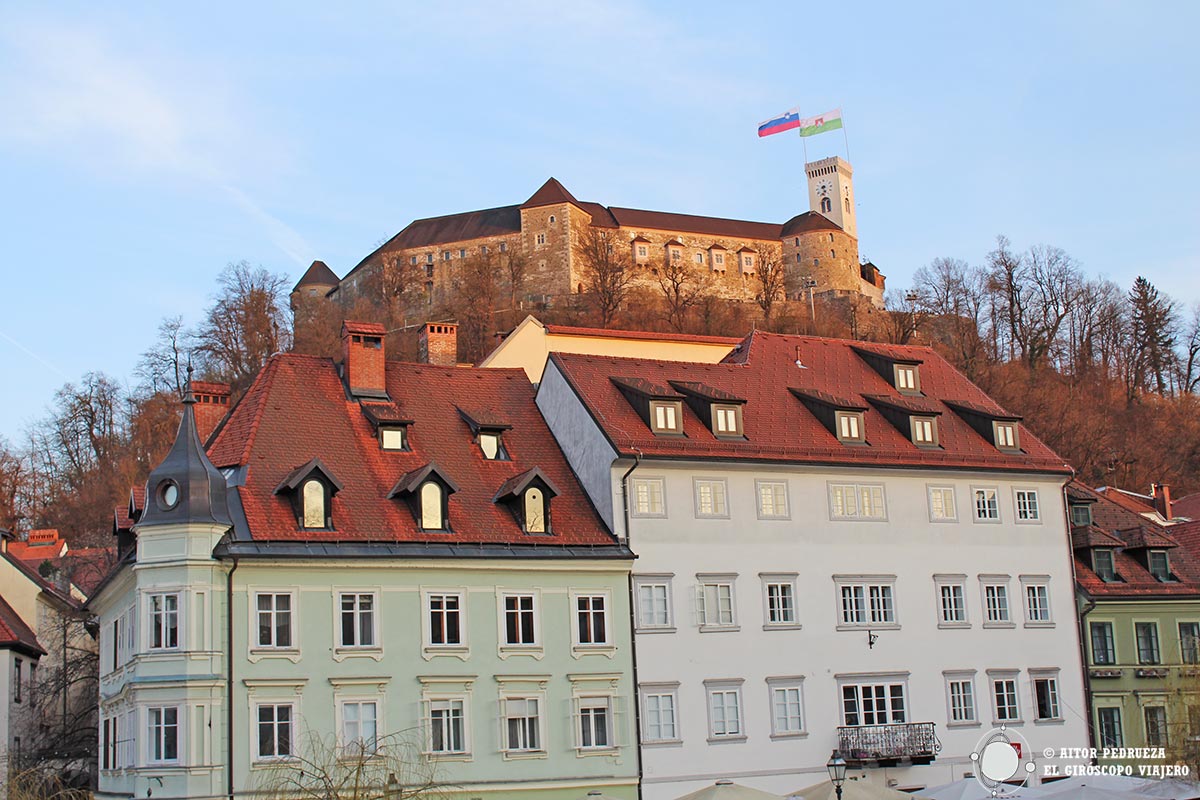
column 144, row 146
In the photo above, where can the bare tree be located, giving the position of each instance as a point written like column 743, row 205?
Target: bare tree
column 682, row 288
column 247, row 322
column 905, row 316
column 771, row 284
column 606, row 270
column 514, row 265
column 12, row 478
column 163, row 367
column 476, row 286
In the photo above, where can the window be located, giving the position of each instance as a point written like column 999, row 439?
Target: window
column 1146, row 634
column 1108, row 720
column 1159, row 567
column 995, row 603
column 1004, row 695
column 648, row 497
column 781, row 601
column 961, row 692
column 724, row 712
column 535, row 510
column 866, row 604
column 1103, row 645
column 659, row 723
column 787, row 708
column 1104, row 564
column 699, row 258
column 710, row 498
column 429, row 258
column 1006, row 435
column 849, row 426
column 1081, row 515
column 594, row 717
column 676, row 255
column 727, row 420
column 826, row 205
column 483, row 249
column 433, row 498
column 953, row 604
column 445, row 620
column 1045, row 695
column 519, row 620
column 445, row 255
column 873, row 704
column 643, row 251
column 719, row 259
column 462, row 253
column 313, row 500
column 924, row 431
column 665, row 416
column 392, row 437
column 360, row 723
column 108, row 742
column 274, row 619
column 274, row 731
column 906, row 379
column 987, row 505
column 772, row 499
column 1037, row 602
column 491, row 446
column 1156, row 725
column 358, row 620
column 591, row 627
column 1189, row 642
column 551, row 219
column 522, row 729
column 18, row 680
column 654, row 605
column 860, row 501
column 32, row 682
column 164, row 734
column 1027, row 505
column 941, row 504
column 447, row 731
column 715, row 603
column 164, row 621
column 748, row 262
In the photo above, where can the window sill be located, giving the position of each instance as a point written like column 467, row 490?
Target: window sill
column 270, row 762
column 590, row 752
column 533, row 651
column 790, row 735
column 342, row 653
column 720, row 628
column 712, row 516
column 663, row 629
column 858, row 519
column 947, row 626
column 727, row 739
column 996, row 723
column 883, row 626
column 585, row 650
column 460, row 757
column 999, row 624
column 978, row 521
column 964, row 724
column 257, row 654
column 783, row 626
column 1050, row 721
column 774, row 519
column 1039, row 624
column 663, row 743
column 523, row 755
column 430, row 652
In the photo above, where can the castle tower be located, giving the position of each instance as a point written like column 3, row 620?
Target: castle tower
column 831, row 192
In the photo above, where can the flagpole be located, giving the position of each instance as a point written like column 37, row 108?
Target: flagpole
column 802, row 141
column 845, row 136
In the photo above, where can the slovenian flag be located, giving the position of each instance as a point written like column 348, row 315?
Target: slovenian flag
column 829, row 121
column 787, row 121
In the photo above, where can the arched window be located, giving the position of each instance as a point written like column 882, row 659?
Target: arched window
column 431, row 506
column 314, row 504
column 535, row 510
column 826, row 204
column 847, row 202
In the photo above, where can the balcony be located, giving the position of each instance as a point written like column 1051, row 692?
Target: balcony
column 888, row 745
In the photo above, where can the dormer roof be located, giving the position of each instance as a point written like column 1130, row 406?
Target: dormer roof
column 816, row 396
column 411, row 481
column 480, row 419
column 513, row 487
column 293, row 479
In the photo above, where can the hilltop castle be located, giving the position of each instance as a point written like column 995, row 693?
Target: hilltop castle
column 820, row 244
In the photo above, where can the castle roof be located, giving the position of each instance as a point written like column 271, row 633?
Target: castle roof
column 317, row 274
column 551, row 193
column 807, row 222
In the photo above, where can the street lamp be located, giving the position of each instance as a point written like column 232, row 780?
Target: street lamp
column 809, row 283
column 837, row 772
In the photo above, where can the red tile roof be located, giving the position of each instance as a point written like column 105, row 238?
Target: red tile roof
column 551, row 193
column 808, row 221
column 15, row 634
column 688, row 223
column 297, row 410
column 656, row 336
column 318, row 274
column 1187, row 506
column 778, row 426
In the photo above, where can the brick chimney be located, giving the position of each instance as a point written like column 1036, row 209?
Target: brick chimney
column 1162, row 499
column 212, row 404
column 363, row 358
column 438, row 344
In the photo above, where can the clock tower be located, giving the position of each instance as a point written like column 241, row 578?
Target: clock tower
column 831, row 192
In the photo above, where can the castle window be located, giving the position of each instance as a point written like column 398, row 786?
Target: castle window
column 483, row 249
column 699, row 258
column 831, row 237
column 832, row 254
column 433, row 517
column 541, row 238
column 826, row 205
column 847, row 202
column 643, row 251
column 429, row 258
column 816, row 262
column 676, row 254
column 462, row 253
column 551, row 219
column 412, row 260
column 504, row 247
column 429, row 270
column 445, row 255
column 719, row 259
column 799, row 258
column 797, row 241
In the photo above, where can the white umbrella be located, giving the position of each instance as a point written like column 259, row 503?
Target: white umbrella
column 1169, row 789
column 971, row 789
column 1088, row 792
column 728, row 790
column 852, row 790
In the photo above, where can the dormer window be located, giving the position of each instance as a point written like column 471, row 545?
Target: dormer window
column 390, row 425
column 1005, row 435
column 720, row 409
column 491, row 446
column 528, row 497
column 907, row 379
column 488, row 429
column 660, row 407
column 311, row 488
column 665, row 416
column 1158, row 564
column 427, row 491
column 727, row 420
column 1103, row 564
column 924, row 431
column 1081, row 515
column 850, row 426
column 393, row 437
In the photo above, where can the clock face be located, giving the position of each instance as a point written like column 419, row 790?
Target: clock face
column 823, row 188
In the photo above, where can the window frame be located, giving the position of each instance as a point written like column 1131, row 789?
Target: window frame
column 506, row 743
column 858, row 504
column 786, row 683
column 443, row 503
column 583, row 701
column 155, row 740
column 1166, row 562
column 1101, row 713
column 966, row 678
column 850, row 426
column 507, row 647
column 720, row 498
column 866, row 583
column 1036, row 519
column 654, row 580
column 783, row 579
column 647, row 480
column 385, row 429
column 1151, row 625
column 1005, row 676
column 716, row 580
column 1111, row 651
column 161, row 628
column 1086, row 508
column 342, row 701
column 1042, row 582
column 725, row 688
column 978, row 520
column 259, row 756
column 930, row 489
column 914, row 370
column 376, row 644
column 576, row 597
column 1049, row 676
column 1106, row 575
column 326, row 503
column 915, row 423
column 256, row 644
column 998, row 582
column 464, row 721
column 649, row 690
column 942, row 582
column 1163, row 737
column 727, row 410
column 889, row 681
column 431, row 649
column 1189, row 652
column 759, row 485
column 1001, row 441
column 675, row 407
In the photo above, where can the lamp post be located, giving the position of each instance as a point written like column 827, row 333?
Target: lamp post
column 837, row 772
column 809, row 283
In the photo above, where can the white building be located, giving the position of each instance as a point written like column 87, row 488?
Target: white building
column 840, row 546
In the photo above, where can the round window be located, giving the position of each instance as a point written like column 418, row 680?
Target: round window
column 168, row 495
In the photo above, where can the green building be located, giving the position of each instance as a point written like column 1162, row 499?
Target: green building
column 375, row 572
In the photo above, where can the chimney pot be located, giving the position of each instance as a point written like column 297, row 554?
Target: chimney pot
column 212, row 404
column 1162, row 499
column 364, row 358
column 438, row 344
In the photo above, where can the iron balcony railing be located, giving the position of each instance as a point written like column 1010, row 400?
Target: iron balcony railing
column 909, row 740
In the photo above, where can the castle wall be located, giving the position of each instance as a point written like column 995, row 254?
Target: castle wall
column 729, row 279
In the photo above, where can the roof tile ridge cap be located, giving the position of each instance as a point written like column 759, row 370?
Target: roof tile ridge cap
column 695, row 216
column 457, row 214
column 267, row 376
